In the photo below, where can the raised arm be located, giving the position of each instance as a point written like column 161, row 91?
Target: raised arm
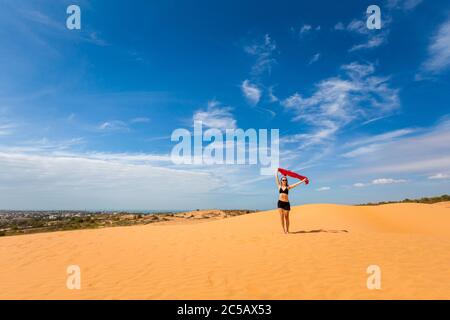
column 277, row 180
column 296, row 184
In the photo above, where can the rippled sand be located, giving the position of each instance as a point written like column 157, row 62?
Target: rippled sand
column 247, row 257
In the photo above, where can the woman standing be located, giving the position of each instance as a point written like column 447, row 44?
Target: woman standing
column 284, row 207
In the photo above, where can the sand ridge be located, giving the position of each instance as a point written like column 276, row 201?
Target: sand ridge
column 244, row 257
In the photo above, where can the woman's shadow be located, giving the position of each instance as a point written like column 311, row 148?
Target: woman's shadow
column 319, row 230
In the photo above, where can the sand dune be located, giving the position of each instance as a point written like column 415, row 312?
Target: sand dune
column 245, row 257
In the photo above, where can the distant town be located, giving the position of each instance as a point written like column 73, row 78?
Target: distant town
column 14, row 222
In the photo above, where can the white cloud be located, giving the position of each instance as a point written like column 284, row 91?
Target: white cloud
column 251, row 92
column 403, row 4
column 54, row 26
column 38, row 17
column 357, row 26
column 345, row 98
column 59, row 175
column 272, row 96
column 380, row 181
column 140, row 120
column 423, row 152
column 94, row 38
column 374, row 143
column 439, row 176
column 357, row 71
column 374, row 119
column 362, row 151
column 216, row 116
column 387, row 136
column 6, row 128
column 411, row 4
column 439, row 50
column 96, row 181
column 435, row 162
column 339, row 26
column 340, row 100
column 320, row 135
column 263, row 51
column 271, row 114
column 323, row 189
column 305, row 28
column 387, row 181
column 315, row 58
column 119, row 125
column 113, row 125
column 372, row 42
column 374, row 38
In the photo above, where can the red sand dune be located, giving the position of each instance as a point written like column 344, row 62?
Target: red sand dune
column 245, row 257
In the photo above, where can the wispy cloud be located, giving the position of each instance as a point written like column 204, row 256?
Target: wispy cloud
column 272, row 97
column 263, row 50
column 93, row 180
column 372, row 42
column 374, row 38
column 423, row 152
column 119, row 125
column 113, row 125
column 251, row 92
column 324, row 132
column 387, row 181
column 305, row 28
column 374, row 143
column 140, row 120
column 337, row 101
column 440, row 176
column 43, row 28
column 95, row 38
column 315, row 58
column 387, row 136
column 403, row 4
column 379, row 181
column 438, row 59
column 216, row 116
column 323, row 189
column 46, row 145
column 6, row 128
column 339, row 26
column 39, row 17
column 358, row 26
column 362, row 151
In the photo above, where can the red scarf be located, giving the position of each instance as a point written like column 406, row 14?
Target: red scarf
column 285, row 172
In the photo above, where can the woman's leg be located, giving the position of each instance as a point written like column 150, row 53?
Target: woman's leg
column 282, row 218
column 286, row 217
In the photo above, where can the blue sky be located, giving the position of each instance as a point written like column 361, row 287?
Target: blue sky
column 86, row 115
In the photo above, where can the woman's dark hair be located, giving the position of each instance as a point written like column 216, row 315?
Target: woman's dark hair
column 287, row 182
